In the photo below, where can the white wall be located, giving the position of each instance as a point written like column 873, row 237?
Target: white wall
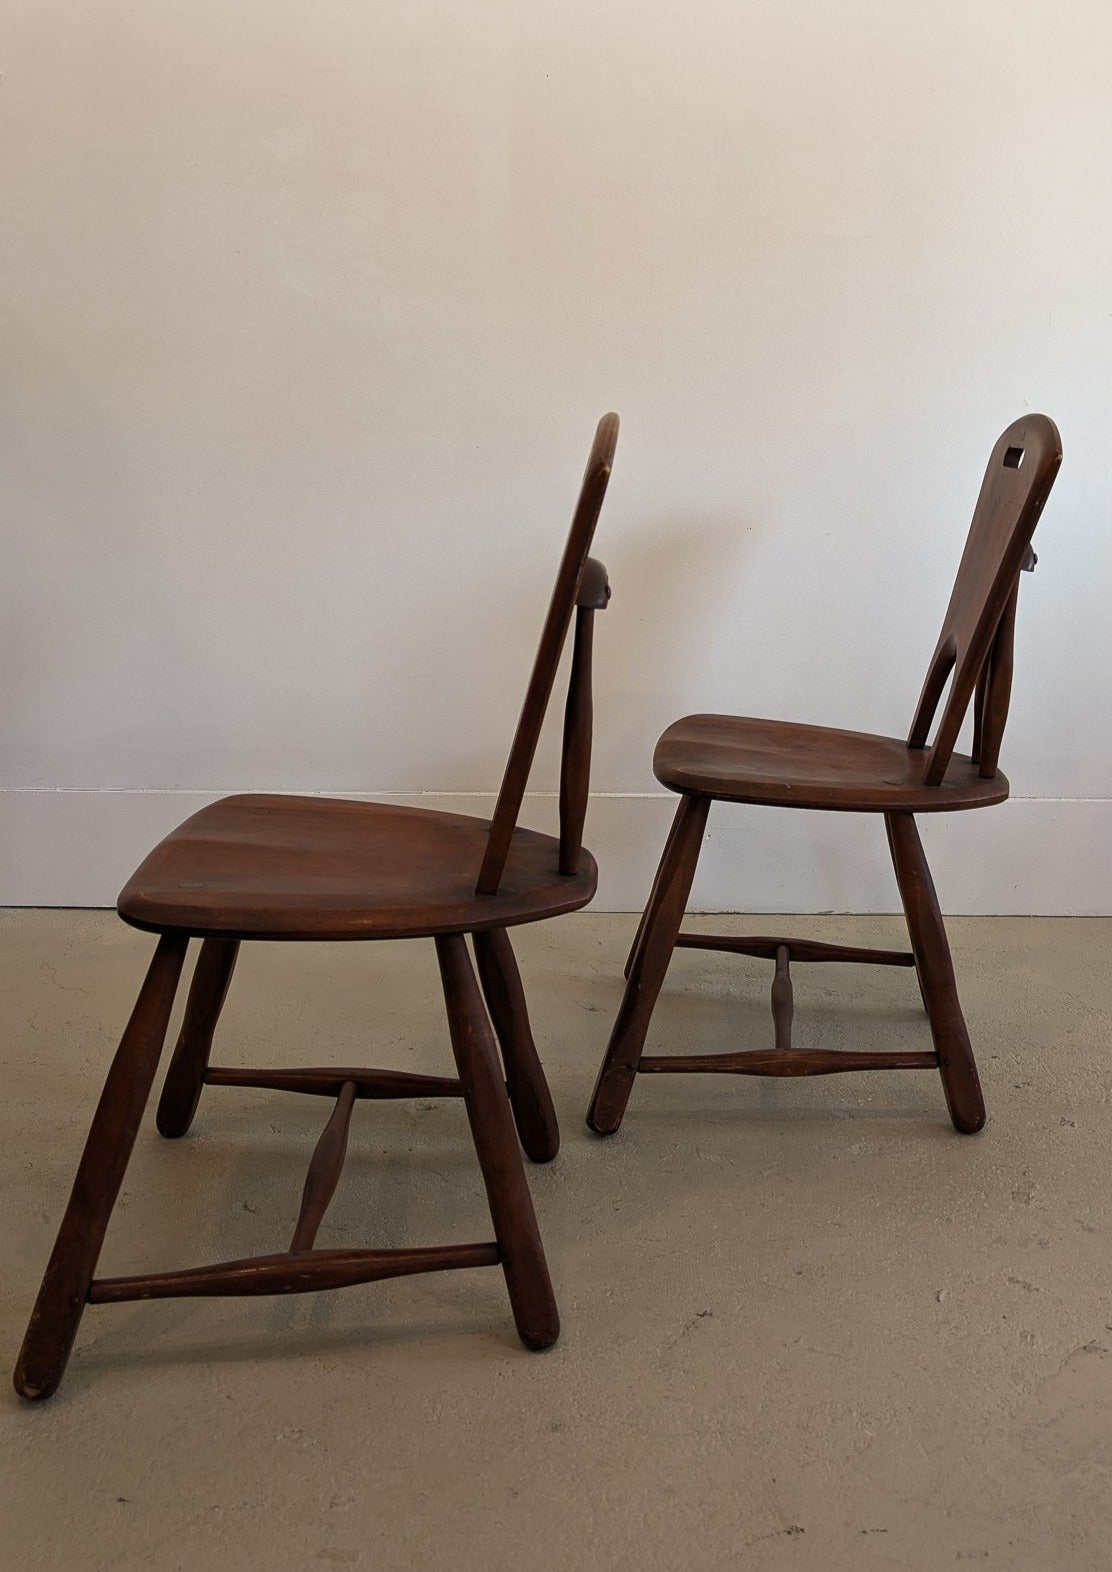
column 308, row 313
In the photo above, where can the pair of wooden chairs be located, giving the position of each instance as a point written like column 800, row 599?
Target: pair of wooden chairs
column 304, row 868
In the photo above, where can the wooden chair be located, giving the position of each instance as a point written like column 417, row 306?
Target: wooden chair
column 273, row 867
column 734, row 759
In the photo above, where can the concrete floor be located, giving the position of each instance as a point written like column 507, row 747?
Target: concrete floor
column 805, row 1324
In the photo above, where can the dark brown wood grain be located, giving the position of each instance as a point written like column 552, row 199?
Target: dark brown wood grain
column 592, row 595
column 568, row 578
column 529, row 1095
column 1009, row 506
column 994, row 690
column 289, row 1273
column 783, row 764
column 329, row 1081
column 783, row 1000
column 492, row 1129
column 784, row 1062
column 310, row 868
column 649, row 964
column 786, row 765
column 678, row 819
column 575, row 766
column 798, row 949
column 956, row 1063
column 65, row 1287
column 268, row 867
column 181, row 1090
column 324, row 1171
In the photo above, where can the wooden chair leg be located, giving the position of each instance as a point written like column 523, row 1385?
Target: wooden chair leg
column 530, row 1098
column 651, row 902
column 181, row 1090
column 650, row 962
column 65, row 1287
column 488, row 1110
column 935, row 969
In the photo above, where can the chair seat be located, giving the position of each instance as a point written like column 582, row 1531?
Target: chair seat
column 271, row 867
column 740, row 759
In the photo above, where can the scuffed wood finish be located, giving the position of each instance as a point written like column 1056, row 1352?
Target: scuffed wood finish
column 310, row 868
column 743, row 759
column 65, row 1287
column 181, row 1090
column 530, row 1098
column 324, row 1171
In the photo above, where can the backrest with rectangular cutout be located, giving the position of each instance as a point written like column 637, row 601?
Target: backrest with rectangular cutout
column 975, row 644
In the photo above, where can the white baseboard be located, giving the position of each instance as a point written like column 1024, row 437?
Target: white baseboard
column 1030, row 856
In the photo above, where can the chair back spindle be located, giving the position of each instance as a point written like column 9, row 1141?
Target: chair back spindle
column 575, row 762
column 974, row 649
column 581, row 587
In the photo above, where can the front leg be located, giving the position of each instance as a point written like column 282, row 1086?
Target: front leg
column 65, row 1287
column 511, row 1207
column 648, row 964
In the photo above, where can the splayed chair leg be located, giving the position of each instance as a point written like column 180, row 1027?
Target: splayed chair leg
column 488, row 1110
column 530, row 1098
column 650, row 959
column 181, row 1090
column 935, row 969
column 65, row 1287
column 651, row 902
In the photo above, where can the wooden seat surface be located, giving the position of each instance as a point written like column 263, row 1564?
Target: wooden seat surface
column 739, row 759
column 275, row 867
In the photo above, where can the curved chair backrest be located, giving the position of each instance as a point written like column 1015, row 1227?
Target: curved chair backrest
column 976, row 639
column 580, row 582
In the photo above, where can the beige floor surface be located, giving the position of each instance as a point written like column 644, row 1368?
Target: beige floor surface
column 806, row 1326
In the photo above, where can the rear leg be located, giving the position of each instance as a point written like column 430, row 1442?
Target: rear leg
column 181, row 1090
column 530, row 1098
column 935, row 969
